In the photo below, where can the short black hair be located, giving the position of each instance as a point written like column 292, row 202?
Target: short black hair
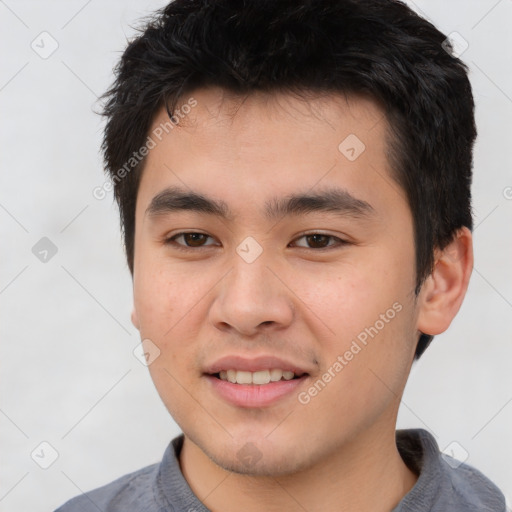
column 377, row 48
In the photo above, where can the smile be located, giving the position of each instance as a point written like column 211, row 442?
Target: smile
column 258, row 377
column 255, row 394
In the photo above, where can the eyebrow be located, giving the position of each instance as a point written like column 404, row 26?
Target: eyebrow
column 329, row 200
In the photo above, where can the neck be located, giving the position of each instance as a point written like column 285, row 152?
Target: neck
column 366, row 474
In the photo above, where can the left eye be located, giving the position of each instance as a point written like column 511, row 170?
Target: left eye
column 319, row 241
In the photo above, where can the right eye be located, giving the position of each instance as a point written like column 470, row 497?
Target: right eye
column 191, row 240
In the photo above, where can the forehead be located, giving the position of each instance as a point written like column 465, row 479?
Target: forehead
column 264, row 145
column 215, row 106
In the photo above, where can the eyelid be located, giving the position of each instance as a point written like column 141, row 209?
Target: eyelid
column 171, row 240
column 340, row 241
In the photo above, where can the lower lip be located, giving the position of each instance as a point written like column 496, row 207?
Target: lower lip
column 254, row 395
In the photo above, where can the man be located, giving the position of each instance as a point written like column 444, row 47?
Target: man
column 294, row 182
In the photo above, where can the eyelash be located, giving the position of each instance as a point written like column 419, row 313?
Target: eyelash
column 180, row 247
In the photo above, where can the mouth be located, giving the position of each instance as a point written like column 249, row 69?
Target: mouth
column 257, row 390
column 257, row 378
column 255, row 382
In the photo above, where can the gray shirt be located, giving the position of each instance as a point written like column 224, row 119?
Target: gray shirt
column 444, row 485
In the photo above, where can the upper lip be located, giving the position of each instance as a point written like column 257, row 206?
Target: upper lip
column 253, row 364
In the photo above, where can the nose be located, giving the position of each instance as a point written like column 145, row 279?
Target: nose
column 252, row 298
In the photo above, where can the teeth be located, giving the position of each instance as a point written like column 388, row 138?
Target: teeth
column 275, row 374
column 259, row 377
column 243, row 377
column 262, row 377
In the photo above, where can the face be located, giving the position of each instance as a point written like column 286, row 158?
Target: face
column 298, row 255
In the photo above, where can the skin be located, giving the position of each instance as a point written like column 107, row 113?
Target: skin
column 296, row 300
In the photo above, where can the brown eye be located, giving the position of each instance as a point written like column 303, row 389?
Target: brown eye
column 194, row 239
column 189, row 240
column 319, row 241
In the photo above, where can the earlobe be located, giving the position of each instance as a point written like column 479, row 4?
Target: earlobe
column 443, row 291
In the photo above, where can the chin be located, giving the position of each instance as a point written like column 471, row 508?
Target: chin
column 257, row 457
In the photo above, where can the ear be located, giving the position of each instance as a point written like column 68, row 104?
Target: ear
column 135, row 319
column 443, row 291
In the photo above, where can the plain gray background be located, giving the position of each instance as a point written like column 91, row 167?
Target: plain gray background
column 69, row 376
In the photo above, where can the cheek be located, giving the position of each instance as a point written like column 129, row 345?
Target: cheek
column 345, row 299
column 162, row 290
column 366, row 314
column 152, row 291
column 368, row 376
column 168, row 301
